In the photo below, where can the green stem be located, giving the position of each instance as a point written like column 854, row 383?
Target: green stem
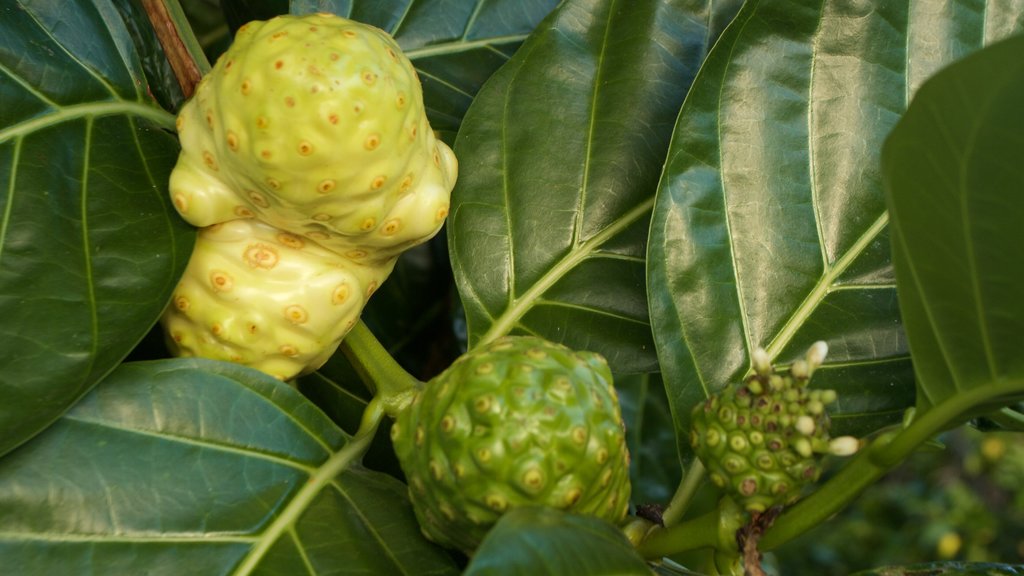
column 699, row 532
column 387, row 379
column 684, row 494
column 323, row 477
column 884, row 454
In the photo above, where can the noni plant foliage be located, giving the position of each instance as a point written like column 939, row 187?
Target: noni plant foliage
column 497, row 287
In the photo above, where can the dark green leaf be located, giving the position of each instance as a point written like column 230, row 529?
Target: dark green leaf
column 547, row 542
column 654, row 469
column 90, row 248
column 956, row 195
column 161, row 82
column 770, row 228
column 560, row 158
column 238, row 12
column 455, row 44
column 201, row 467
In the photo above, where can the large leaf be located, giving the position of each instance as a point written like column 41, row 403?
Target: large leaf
column 770, row 227
column 560, row 157
column 199, row 467
column 455, row 45
column 956, row 195
column 549, row 542
column 89, row 246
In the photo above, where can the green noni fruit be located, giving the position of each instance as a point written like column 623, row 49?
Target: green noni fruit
column 518, row 422
column 266, row 298
column 315, row 125
column 761, row 441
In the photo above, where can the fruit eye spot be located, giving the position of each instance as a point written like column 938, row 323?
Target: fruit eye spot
column 296, row 314
column 372, row 287
column 289, row 350
column 262, row 122
column 400, row 100
column 279, row 64
column 369, row 77
column 333, row 119
column 232, row 141
column 378, row 182
column 447, row 424
column 181, row 202
column 290, row 240
column 246, row 86
column 372, row 142
column 485, row 368
column 340, row 294
column 305, row 148
column 179, row 124
column 209, row 160
column 406, row 184
column 321, row 217
column 579, row 435
column 496, row 502
column 216, row 329
column 441, row 214
column 221, row 281
column 356, row 254
column 182, row 303
column 209, row 118
column 392, row 226
column 258, row 199
column 261, row 256
column 367, row 224
column 273, row 183
column 573, row 496
column 243, row 212
column 289, row 101
column 533, row 479
column 325, row 186
column 349, row 34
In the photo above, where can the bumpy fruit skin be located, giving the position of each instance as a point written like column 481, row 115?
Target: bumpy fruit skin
column 263, row 297
column 519, row 422
column 760, row 440
column 315, row 125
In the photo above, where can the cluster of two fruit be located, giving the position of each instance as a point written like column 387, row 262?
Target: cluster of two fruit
column 309, row 165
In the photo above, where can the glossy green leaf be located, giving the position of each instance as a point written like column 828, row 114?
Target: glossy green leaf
column 770, row 228
column 548, row 542
column 955, row 187
column 560, row 156
column 89, row 245
column 455, row 45
column 201, row 467
column 161, row 83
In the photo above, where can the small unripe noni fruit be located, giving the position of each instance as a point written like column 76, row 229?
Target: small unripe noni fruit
column 518, row 422
column 761, row 441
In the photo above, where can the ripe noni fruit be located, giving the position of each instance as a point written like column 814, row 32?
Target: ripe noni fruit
column 315, row 125
column 266, row 298
column 518, row 422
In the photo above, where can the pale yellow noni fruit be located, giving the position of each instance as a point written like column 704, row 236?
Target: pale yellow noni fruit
column 266, row 298
column 315, row 124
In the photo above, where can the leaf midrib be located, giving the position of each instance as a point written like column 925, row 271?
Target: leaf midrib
column 159, row 116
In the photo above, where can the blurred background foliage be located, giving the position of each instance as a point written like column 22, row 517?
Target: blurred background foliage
column 963, row 500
